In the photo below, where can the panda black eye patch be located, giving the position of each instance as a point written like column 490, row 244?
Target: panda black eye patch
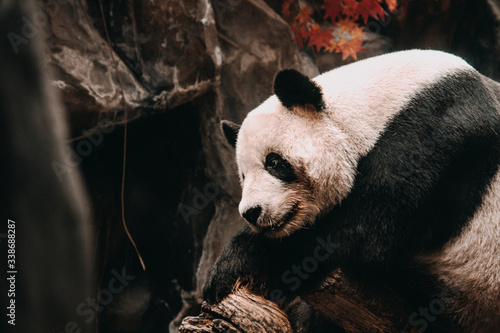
column 279, row 168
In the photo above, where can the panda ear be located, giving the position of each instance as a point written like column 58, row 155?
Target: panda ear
column 294, row 88
column 230, row 131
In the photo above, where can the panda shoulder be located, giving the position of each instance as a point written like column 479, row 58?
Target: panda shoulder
column 416, row 65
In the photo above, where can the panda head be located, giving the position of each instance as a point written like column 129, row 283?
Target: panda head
column 297, row 153
column 293, row 161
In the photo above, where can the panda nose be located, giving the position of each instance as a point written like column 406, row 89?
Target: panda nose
column 252, row 214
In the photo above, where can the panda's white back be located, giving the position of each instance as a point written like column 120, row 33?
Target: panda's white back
column 469, row 265
column 363, row 96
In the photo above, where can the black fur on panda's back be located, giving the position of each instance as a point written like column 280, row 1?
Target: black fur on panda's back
column 415, row 190
column 428, row 171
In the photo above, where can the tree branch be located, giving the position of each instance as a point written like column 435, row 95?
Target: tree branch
column 356, row 305
column 240, row 312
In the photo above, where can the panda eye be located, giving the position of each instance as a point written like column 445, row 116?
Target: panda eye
column 273, row 162
column 279, row 168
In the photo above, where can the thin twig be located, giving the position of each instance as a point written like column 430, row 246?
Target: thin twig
column 115, row 65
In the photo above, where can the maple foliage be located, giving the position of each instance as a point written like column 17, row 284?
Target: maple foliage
column 347, row 17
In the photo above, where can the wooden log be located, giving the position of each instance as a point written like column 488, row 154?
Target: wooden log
column 240, row 312
column 360, row 306
column 350, row 302
column 205, row 323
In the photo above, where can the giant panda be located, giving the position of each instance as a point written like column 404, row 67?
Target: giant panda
column 388, row 167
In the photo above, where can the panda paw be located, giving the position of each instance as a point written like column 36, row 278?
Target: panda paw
column 237, row 262
column 234, row 263
column 217, row 288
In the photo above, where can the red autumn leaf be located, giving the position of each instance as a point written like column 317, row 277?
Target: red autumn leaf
column 357, row 32
column 350, row 8
column 347, row 24
column 332, row 46
column 343, row 14
column 285, row 8
column 371, row 8
column 319, row 37
column 350, row 48
column 304, row 17
column 315, row 27
column 392, row 5
column 332, row 9
column 300, row 33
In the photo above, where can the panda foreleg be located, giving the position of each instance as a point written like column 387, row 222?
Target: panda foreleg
column 271, row 268
column 237, row 264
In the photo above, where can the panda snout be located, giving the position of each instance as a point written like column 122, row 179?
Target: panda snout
column 252, row 214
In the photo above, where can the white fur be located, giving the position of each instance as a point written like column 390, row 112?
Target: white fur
column 470, row 265
column 361, row 98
